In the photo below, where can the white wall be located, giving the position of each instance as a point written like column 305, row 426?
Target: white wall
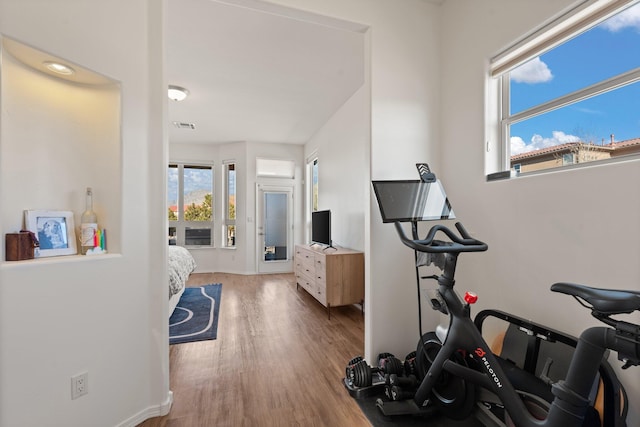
column 242, row 259
column 107, row 316
column 579, row 225
column 342, row 147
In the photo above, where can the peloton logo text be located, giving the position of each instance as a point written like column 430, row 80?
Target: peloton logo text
column 481, row 354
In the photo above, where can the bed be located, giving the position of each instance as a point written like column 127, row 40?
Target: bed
column 181, row 265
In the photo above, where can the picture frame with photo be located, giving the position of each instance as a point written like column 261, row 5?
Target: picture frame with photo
column 55, row 231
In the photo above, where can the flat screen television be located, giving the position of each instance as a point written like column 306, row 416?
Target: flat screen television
column 321, row 227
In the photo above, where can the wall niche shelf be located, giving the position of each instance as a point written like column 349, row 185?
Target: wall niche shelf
column 31, row 263
column 60, row 134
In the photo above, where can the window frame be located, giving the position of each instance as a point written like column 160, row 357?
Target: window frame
column 227, row 221
column 314, row 184
column 568, row 24
column 180, row 225
column 311, row 189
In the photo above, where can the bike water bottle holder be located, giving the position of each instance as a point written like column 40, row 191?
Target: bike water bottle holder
column 627, row 339
column 628, row 343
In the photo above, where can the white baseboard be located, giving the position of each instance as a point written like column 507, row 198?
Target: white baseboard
column 150, row 412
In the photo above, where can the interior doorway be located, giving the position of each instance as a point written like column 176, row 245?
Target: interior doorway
column 274, row 228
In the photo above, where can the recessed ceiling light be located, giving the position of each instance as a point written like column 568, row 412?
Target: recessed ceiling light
column 59, row 68
column 177, row 93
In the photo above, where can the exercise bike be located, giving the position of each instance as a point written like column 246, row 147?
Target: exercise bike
column 455, row 370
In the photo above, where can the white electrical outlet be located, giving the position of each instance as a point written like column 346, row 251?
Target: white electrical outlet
column 79, row 385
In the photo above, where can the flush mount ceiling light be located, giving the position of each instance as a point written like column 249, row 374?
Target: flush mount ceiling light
column 58, row 68
column 177, row 93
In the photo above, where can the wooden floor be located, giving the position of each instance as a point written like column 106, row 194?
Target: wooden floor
column 278, row 360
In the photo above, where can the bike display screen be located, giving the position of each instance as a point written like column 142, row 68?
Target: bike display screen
column 402, row 201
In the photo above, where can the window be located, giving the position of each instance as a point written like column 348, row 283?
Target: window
column 314, row 184
column 229, row 227
column 273, row 168
column 311, row 191
column 569, row 93
column 190, row 192
column 567, row 159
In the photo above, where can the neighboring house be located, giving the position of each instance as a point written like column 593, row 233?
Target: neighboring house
column 572, row 153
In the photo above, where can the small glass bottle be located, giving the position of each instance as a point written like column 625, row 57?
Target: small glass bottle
column 88, row 224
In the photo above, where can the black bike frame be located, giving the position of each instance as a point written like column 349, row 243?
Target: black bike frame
column 571, row 400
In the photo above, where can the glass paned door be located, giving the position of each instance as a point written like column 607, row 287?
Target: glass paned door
column 274, row 229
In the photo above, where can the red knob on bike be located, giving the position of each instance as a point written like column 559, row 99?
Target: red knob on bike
column 470, row 297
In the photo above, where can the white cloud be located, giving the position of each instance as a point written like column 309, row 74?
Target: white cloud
column 533, row 71
column 630, row 18
column 518, row 146
column 590, row 111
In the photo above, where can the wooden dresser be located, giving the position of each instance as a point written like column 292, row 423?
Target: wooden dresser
column 332, row 276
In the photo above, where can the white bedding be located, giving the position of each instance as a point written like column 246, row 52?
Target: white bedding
column 181, row 265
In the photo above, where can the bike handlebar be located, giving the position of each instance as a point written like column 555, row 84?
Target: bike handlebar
column 461, row 242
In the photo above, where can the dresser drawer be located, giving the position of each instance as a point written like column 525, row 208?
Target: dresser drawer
column 321, row 294
column 305, row 276
column 307, row 284
column 305, row 259
column 307, row 271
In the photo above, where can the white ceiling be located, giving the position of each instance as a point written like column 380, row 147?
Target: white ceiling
column 268, row 75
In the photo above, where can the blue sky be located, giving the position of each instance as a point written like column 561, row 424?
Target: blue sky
column 194, row 179
column 607, row 50
column 172, row 186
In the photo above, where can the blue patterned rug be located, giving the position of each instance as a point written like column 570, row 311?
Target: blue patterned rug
column 196, row 315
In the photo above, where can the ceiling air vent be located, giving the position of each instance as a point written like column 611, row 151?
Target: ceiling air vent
column 184, row 125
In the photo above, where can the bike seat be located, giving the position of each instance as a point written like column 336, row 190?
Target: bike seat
column 605, row 301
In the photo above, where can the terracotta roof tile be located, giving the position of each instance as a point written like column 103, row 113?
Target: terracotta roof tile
column 562, row 147
column 624, row 144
